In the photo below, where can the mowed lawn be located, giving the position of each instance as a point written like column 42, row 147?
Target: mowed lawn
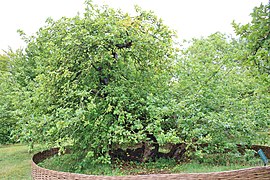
column 15, row 162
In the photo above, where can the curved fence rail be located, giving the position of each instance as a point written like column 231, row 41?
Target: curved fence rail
column 39, row 173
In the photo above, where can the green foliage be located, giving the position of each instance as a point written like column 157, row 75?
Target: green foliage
column 256, row 38
column 3, row 63
column 106, row 80
column 95, row 80
column 228, row 159
column 7, row 120
column 220, row 103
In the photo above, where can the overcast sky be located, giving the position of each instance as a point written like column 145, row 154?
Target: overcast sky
column 191, row 18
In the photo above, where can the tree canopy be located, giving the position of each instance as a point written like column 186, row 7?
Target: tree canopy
column 105, row 81
column 256, row 37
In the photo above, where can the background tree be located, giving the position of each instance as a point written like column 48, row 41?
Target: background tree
column 7, row 119
column 256, row 37
column 220, row 103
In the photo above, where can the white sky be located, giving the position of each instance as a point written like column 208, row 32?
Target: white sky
column 191, row 18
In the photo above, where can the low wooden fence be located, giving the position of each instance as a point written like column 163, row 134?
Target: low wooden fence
column 39, row 173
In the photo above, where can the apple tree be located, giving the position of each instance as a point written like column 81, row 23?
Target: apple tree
column 98, row 81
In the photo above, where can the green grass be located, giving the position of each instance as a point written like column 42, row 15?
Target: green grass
column 15, row 162
column 204, row 168
column 67, row 163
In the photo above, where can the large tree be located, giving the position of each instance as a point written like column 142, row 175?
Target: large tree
column 106, row 81
column 96, row 81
